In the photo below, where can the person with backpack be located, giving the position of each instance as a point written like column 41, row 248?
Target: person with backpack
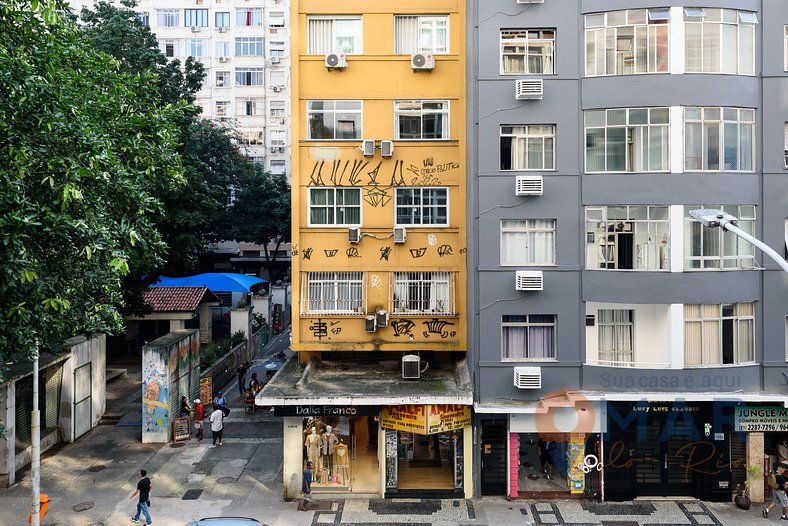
column 779, row 498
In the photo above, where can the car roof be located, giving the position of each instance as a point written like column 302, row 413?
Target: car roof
column 226, row 521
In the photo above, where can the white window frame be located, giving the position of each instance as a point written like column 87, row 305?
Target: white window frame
column 733, row 252
column 222, row 48
column 197, row 47
column 278, row 138
column 700, row 18
column 745, row 117
column 223, row 79
column 335, row 113
column 712, row 314
column 520, row 135
column 195, row 18
column 221, row 19
column 278, row 163
column 276, row 19
column 168, row 17
column 222, row 108
column 252, row 136
column 649, row 226
column 630, row 120
column 243, row 104
column 249, row 47
column 417, row 210
column 176, row 47
column 277, row 109
column 335, row 209
column 331, row 286
column 252, row 74
column 242, row 16
column 407, row 42
column 422, row 292
column 785, row 48
column 527, row 325
column 422, row 114
column 315, row 47
column 524, row 39
column 537, row 232
column 620, row 355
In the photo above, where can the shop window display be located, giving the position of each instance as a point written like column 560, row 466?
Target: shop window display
column 326, row 441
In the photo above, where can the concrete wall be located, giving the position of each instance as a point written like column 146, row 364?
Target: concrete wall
column 8, row 420
column 84, row 351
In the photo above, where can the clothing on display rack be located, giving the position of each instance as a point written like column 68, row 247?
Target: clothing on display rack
column 313, row 447
column 341, row 462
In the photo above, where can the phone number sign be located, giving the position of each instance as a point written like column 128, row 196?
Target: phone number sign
column 761, row 418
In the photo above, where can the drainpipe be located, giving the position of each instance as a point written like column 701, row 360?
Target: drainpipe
column 35, row 458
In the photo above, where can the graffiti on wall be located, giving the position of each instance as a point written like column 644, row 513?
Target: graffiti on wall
column 155, row 399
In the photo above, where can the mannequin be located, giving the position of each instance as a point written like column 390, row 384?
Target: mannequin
column 329, row 441
column 342, row 461
column 312, row 444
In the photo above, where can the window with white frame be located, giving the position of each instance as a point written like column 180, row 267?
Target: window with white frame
column 197, row 47
column 276, row 19
column 195, row 17
column 222, row 108
column 785, row 48
column 144, row 18
column 222, row 19
column 249, row 16
column 616, row 341
column 785, row 141
column 252, row 137
column 422, row 206
column 168, row 17
column 257, row 159
column 223, row 79
column 421, row 119
column 334, row 119
column 333, row 292
column 249, row 76
column 719, row 334
column 278, row 78
column 527, row 51
column 334, row 35
column 628, row 140
column 276, row 48
column 527, row 241
column 222, row 48
column 528, row 337
column 719, row 139
column 719, row 41
column 528, row 147
column 249, row 106
column 170, row 47
column 279, row 138
column 249, row 47
column 628, row 237
column 421, row 34
column 277, row 108
column 714, row 248
column 278, row 166
column 422, row 292
column 335, row 206
column 629, row 42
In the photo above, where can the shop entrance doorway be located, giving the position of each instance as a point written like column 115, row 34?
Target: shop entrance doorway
column 426, row 461
column 542, row 465
column 661, row 457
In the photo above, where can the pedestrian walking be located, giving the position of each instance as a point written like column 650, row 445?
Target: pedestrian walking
column 199, row 417
column 779, row 497
column 306, row 487
column 241, row 372
column 219, row 399
column 217, row 425
column 186, row 409
column 143, row 490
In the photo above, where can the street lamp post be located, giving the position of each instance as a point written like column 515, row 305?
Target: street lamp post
column 711, row 218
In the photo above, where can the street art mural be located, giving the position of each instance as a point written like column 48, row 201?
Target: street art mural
column 155, row 398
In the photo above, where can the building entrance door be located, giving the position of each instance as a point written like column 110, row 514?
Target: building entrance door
column 661, row 459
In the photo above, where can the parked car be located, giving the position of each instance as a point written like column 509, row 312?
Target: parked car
column 226, row 521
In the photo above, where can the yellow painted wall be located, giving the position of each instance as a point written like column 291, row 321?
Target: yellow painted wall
column 378, row 78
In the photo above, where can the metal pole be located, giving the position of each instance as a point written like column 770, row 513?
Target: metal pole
column 35, row 462
column 730, row 227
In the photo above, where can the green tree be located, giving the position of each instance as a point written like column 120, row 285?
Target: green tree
column 82, row 147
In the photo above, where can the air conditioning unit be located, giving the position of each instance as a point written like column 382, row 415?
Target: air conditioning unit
column 530, row 280
column 274, row 60
column 224, row 59
column 529, row 185
column 422, row 61
column 528, row 377
column 277, row 89
column 369, row 324
column 400, row 234
column 411, row 367
column 368, row 147
column 276, row 149
column 195, row 29
column 528, row 89
column 336, row 61
column 381, row 318
column 386, row 148
column 354, row 235
column 221, row 29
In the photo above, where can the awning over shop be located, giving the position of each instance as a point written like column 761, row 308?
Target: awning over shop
column 426, row 419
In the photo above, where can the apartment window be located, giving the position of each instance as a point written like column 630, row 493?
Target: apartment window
column 421, row 119
column 195, row 17
column 249, row 47
column 197, row 47
column 249, row 76
column 223, row 79
column 170, row 48
column 421, row 34
column 527, row 242
column 167, row 17
column 279, row 138
column 222, row 48
column 252, row 137
column 714, row 248
column 719, row 41
column 257, row 159
column 627, row 42
column 628, row 237
column 616, row 342
column 334, row 35
column 222, row 108
column 527, row 51
column 250, row 106
column 278, row 78
column 528, row 147
column 334, row 206
column 222, row 19
column 334, row 292
column 276, row 48
column 785, row 141
column 422, row 206
column 334, row 119
column 276, row 108
column 627, row 140
column 278, row 166
column 718, row 139
column 276, row 19
column 423, row 292
column 719, row 334
column 144, row 18
column 785, row 48
column 530, row 336
column 249, row 16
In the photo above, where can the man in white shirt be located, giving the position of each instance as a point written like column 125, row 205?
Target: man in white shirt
column 217, row 425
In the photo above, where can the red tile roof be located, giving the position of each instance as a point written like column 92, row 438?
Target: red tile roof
column 178, row 299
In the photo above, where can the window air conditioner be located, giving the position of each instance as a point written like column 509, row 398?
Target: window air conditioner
column 411, row 367
column 381, row 318
column 528, row 377
column 368, row 147
column 386, row 148
column 529, row 185
column 336, row 61
column 400, row 234
column 422, row 61
column 369, row 324
column 224, row 59
column 354, row 235
column 528, row 89
column 274, row 60
column 529, row 280
column 277, row 89
column 221, row 29
column 195, row 29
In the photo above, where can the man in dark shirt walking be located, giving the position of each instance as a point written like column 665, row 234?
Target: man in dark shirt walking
column 241, row 372
column 143, row 490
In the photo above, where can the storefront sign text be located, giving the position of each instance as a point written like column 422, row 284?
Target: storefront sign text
column 761, row 418
column 426, row 419
column 326, row 410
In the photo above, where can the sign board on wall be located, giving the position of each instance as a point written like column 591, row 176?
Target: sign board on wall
column 181, row 429
column 206, row 390
column 426, row 419
column 761, row 418
column 326, row 410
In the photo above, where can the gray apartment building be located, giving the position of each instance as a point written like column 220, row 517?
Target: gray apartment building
column 618, row 345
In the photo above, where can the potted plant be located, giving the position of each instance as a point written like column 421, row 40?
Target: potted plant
column 742, row 499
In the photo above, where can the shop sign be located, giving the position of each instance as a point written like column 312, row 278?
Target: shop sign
column 426, row 419
column 576, row 456
column 761, row 418
column 327, row 410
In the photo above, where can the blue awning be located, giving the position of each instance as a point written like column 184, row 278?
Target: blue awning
column 215, row 281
